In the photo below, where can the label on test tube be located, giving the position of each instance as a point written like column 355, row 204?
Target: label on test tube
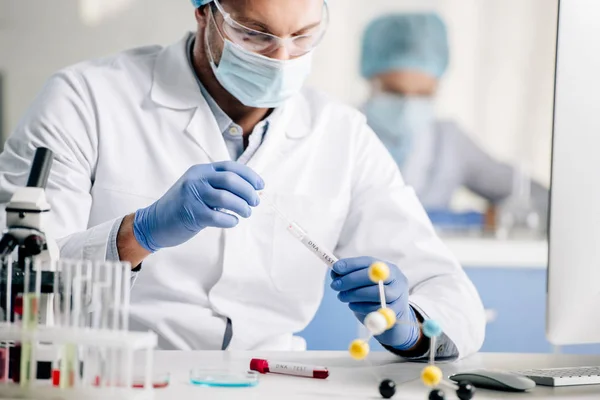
column 319, row 251
column 324, row 254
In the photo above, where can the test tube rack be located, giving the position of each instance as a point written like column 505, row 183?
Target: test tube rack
column 79, row 328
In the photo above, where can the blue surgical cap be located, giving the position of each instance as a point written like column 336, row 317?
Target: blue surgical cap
column 417, row 42
column 200, row 3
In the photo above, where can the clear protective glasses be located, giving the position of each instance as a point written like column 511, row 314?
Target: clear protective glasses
column 266, row 43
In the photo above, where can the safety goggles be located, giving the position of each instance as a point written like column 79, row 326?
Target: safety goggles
column 266, row 43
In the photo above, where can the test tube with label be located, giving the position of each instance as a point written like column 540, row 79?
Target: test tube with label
column 323, row 253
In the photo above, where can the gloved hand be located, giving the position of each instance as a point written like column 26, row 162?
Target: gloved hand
column 191, row 204
column 351, row 280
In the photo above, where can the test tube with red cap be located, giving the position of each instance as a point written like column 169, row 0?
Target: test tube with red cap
column 283, row 368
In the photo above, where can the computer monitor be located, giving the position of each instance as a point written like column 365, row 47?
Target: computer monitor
column 573, row 291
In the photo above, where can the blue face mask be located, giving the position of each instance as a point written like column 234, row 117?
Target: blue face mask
column 259, row 81
column 397, row 120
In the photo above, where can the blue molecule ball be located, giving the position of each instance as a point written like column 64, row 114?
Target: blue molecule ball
column 432, row 329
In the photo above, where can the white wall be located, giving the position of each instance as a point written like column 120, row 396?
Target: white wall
column 499, row 86
column 42, row 36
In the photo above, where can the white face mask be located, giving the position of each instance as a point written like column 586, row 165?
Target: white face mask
column 259, row 81
column 398, row 121
column 406, row 126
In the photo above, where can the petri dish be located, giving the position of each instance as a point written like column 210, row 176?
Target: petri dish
column 221, row 378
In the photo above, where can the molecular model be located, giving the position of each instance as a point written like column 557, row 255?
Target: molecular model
column 384, row 319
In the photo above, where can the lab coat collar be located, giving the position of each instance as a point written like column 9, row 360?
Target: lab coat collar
column 173, row 82
column 290, row 123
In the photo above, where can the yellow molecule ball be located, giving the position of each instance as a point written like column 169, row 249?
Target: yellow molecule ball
column 359, row 349
column 431, row 376
column 390, row 316
column 379, row 271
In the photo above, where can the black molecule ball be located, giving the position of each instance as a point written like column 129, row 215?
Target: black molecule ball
column 465, row 391
column 387, row 389
column 436, row 394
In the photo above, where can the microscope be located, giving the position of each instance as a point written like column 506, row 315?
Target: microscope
column 28, row 234
column 28, row 215
column 27, row 245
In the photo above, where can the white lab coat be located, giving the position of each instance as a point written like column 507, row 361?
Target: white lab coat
column 125, row 128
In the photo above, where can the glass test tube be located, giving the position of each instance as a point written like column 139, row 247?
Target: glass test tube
column 86, row 323
column 7, row 264
column 30, row 323
column 66, row 356
column 58, row 322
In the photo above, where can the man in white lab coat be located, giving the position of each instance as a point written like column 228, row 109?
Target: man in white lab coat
column 157, row 147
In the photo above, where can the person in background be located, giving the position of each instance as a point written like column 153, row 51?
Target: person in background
column 405, row 56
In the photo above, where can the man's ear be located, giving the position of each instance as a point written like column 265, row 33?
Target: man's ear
column 202, row 16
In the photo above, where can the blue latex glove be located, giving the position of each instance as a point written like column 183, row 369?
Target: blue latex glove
column 191, row 204
column 351, row 280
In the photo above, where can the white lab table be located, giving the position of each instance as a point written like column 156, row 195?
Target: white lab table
column 350, row 379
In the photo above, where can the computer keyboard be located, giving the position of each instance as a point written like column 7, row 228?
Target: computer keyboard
column 563, row 376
